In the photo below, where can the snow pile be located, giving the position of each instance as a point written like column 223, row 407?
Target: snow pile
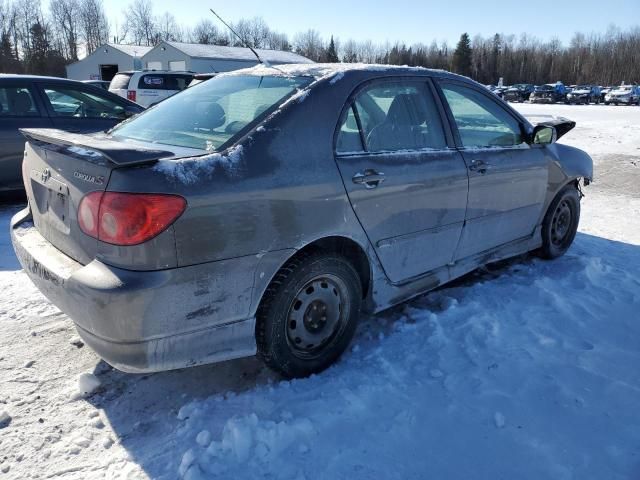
column 192, row 169
column 246, row 440
column 87, row 384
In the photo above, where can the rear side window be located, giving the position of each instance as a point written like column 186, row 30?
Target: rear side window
column 164, row 82
column 17, row 102
column 480, row 120
column 211, row 114
column 393, row 116
column 120, row 81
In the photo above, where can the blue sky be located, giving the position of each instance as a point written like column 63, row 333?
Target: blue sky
column 410, row 20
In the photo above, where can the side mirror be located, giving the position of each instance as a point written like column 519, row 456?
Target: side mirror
column 544, row 135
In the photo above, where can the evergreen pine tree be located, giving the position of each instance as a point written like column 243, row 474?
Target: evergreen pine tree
column 462, row 56
column 332, row 54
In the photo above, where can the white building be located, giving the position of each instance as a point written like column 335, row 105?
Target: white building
column 199, row 58
column 106, row 61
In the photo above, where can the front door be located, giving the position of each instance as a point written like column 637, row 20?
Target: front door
column 507, row 177
column 407, row 187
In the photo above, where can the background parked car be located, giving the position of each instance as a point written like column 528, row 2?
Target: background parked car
column 97, row 83
column 149, row 87
column 201, row 77
column 584, row 94
column 549, row 93
column 47, row 102
column 626, row 94
column 519, row 92
column 603, row 92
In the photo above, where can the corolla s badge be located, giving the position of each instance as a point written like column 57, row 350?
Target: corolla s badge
column 96, row 179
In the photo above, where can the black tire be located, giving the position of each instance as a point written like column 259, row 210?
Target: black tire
column 308, row 314
column 560, row 223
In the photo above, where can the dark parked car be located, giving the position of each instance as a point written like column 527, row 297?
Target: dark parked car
column 549, row 93
column 518, row 93
column 103, row 84
column 201, row 77
column 262, row 210
column 584, row 94
column 46, row 102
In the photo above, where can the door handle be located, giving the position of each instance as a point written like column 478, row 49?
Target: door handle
column 370, row 178
column 479, row 166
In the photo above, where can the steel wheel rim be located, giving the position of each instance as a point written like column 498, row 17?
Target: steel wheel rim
column 317, row 315
column 561, row 223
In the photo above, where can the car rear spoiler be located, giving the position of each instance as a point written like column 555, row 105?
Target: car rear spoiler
column 561, row 124
column 91, row 146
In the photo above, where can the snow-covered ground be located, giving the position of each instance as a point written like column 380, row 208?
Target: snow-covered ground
column 525, row 370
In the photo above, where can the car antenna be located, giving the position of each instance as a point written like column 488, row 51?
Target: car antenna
column 242, row 40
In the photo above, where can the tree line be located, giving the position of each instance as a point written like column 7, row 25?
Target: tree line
column 42, row 41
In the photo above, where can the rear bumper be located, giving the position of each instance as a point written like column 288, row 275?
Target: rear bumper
column 145, row 321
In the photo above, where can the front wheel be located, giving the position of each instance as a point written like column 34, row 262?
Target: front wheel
column 560, row 224
column 308, row 315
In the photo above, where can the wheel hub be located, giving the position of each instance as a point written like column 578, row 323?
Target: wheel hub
column 561, row 223
column 316, row 314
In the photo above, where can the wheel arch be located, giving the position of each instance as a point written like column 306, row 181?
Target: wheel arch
column 347, row 247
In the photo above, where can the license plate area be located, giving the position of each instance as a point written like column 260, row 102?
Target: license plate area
column 51, row 198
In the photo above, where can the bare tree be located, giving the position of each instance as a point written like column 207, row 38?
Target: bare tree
column 207, row 33
column 140, row 26
column 168, row 28
column 254, row 32
column 309, row 44
column 94, row 26
column 65, row 22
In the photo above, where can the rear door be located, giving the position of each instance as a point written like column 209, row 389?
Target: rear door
column 76, row 108
column 19, row 108
column 507, row 177
column 407, row 187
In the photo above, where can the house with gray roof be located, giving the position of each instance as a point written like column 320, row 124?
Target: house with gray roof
column 107, row 60
column 200, row 58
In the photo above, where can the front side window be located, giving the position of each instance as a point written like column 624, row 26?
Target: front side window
column 210, row 114
column 394, row 116
column 17, row 102
column 480, row 120
column 67, row 102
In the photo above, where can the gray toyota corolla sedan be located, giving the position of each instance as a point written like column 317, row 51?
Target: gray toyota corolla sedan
column 262, row 210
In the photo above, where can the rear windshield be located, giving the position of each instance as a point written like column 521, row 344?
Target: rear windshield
column 120, row 81
column 211, row 114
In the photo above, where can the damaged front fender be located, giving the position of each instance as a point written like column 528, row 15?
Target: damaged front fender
column 573, row 162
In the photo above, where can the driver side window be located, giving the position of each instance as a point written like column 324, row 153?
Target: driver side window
column 66, row 102
column 480, row 121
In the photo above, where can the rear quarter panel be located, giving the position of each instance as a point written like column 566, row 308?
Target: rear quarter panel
column 282, row 191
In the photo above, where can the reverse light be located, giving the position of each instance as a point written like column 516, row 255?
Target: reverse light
column 128, row 218
column 131, row 95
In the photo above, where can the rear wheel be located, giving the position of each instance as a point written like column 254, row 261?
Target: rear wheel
column 308, row 315
column 560, row 224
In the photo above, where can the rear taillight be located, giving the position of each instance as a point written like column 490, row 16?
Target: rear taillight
column 128, row 218
column 131, row 95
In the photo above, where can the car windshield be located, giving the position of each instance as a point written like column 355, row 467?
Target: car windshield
column 583, row 87
column 208, row 115
column 545, row 87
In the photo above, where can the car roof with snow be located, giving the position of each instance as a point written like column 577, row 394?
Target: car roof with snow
column 338, row 70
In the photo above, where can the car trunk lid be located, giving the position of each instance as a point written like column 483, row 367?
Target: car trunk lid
column 60, row 168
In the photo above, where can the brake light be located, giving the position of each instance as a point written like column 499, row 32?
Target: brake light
column 128, row 218
column 131, row 95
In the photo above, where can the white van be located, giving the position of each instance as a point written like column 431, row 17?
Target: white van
column 149, row 87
